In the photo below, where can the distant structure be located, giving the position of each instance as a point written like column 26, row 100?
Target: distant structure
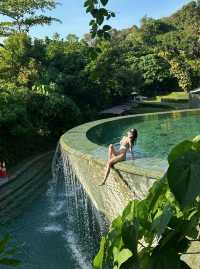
column 134, row 97
column 195, row 98
column 133, row 101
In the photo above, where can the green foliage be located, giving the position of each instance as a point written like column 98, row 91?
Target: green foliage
column 46, row 84
column 154, row 232
column 99, row 13
column 151, row 29
column 181, row 72
column 174, row 97
column 184, row 165
column 23, row 14
column 6, row 253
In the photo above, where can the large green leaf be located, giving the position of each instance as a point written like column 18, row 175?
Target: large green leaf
column 183, row 147
column 117, row 223
column 162, row 219
column 114, row 239
column 104, row 2
column 100, row 19
column 184, row 177
column 184, row 226
column 107, row 27
column 173, row 239
column 141, row 212
column 164, row 260
column 128, row 211
column 158, row 189
column 123, row 256
column 131, row 263
column 99, row 259
column 130, row 235
column 179, row 150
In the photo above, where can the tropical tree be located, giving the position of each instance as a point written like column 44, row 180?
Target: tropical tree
column 14, row 55
column 180, row 69
column 155, row 72
column 24, row 14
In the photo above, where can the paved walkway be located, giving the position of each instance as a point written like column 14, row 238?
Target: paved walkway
column 117, row 110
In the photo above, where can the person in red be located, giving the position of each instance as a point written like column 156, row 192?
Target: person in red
column 4, row 172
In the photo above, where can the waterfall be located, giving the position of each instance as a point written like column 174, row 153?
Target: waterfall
column 86, row 224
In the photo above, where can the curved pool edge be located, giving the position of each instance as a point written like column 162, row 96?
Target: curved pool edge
column 77, row 142
column 126, row 181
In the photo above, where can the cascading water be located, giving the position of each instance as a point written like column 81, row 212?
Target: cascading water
column 86, row 224
column 61, row 229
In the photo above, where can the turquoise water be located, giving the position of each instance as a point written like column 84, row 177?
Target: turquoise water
column 55, row 233
column 158, row 134
column 158, row 137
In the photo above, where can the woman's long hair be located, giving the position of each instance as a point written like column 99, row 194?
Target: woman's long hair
column 135, row 136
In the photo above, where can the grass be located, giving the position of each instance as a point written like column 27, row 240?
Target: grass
column 174, row 97
column 149, row 108
column 176, row 100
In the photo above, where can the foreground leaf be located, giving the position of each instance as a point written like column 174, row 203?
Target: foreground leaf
column 104, row 2
column 179, row 150
column 183, row 178
column 10, row 262
column 130, row 235
column 123, row 256
column 162, row 220
column 4, row 242
column 164, row 260
column 99, row 259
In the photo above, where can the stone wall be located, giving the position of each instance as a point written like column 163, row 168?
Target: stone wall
column 120, row 187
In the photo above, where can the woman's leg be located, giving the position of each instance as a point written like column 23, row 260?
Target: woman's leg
column 111, row 152
column 110, row 163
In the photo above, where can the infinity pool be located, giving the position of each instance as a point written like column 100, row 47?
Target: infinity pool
column 158, row 134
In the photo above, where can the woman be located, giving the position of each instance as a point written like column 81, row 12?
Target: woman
column 114, row 156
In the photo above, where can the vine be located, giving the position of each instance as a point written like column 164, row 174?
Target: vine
column 153, row 233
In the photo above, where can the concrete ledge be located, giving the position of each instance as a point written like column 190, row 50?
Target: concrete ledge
column 126, row 181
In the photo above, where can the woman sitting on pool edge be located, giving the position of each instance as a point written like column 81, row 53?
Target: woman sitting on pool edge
column 114, row 156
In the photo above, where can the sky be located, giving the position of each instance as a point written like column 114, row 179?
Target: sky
column 129, row 12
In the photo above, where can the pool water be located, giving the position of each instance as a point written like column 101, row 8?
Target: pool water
column 157, row 135
column 53, row 233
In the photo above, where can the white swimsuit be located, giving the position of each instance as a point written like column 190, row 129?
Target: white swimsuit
column 123, row 146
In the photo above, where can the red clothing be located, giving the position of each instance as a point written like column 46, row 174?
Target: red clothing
column 4, row 173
